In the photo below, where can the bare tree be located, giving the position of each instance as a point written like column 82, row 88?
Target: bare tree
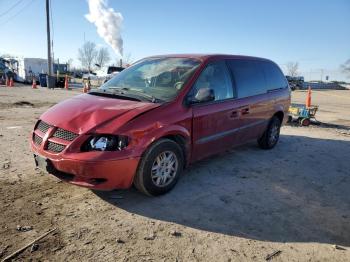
column 70, row 63
column 346, row 67
column 292, row 68
column 102, row 57
column 127, row 59
column 87, row 55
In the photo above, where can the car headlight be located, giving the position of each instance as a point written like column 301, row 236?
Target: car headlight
column 105, row 143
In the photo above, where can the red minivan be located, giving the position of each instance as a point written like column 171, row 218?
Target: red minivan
column 150, row 121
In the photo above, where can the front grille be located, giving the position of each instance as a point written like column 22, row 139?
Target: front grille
column 37, row 139
column 59, row 133
column 54, row 147
column 43, row 127
column 65, row 134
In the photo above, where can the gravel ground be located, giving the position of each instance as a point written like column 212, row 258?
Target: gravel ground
column 242, row 205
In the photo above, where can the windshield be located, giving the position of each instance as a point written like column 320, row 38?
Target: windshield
column 159, row 78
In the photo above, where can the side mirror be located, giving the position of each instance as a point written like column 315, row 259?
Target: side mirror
column 204, row 95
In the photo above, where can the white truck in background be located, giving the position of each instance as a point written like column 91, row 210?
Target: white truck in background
column 103, row 75
column 29, row 67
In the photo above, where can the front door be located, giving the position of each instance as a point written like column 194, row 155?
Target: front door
column 215, row 123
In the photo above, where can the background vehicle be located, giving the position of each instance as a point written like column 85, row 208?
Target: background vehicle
column 112, row 71
column 8, row 69
column 295, row 82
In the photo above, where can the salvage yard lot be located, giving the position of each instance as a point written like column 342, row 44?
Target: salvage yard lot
column 242, row 205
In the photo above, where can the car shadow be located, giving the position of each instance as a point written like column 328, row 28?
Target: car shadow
column 297, row 192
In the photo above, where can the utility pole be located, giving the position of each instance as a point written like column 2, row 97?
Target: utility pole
column 52, row 52
column 49, row 62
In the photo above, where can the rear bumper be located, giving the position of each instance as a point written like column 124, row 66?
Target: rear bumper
column 100, row 175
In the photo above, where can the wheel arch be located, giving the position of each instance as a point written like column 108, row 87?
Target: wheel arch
column 178, row 134
column 280, row 115
column 182, row 142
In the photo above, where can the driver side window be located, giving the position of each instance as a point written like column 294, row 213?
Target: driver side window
column 216, row 77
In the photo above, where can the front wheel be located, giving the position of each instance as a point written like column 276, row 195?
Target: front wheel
column 271, row 135
column 160, row 168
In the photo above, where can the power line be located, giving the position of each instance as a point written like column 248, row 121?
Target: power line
column 20, row 11
column 8, row 10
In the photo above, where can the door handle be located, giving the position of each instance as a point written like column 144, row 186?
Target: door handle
column 245, row 111
column 234, row 114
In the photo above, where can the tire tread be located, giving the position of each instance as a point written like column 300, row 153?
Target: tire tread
column 263, row 141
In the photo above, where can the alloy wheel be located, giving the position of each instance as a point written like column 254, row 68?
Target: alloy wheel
column 164, row 168
column 274, row 134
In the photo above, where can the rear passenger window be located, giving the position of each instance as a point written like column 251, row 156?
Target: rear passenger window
column 274, row 77
column 249, row 77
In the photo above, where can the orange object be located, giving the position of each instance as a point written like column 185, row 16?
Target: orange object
column 66, row 85
column 11, row 82
column 34, row 84
column 86, row 87
column 308, row 98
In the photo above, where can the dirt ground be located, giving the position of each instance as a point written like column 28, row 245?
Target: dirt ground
column 240, row 206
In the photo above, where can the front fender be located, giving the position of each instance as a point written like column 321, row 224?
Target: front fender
column 146, row 138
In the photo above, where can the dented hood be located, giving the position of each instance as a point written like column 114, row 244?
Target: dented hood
column 84, row 113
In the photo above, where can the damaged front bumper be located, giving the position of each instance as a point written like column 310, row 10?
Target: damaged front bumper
column 95, row 174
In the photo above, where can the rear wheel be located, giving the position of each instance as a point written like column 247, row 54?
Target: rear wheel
column 271, row 135
column 160, row 168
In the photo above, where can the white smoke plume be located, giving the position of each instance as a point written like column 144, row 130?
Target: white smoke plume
column 108, row 23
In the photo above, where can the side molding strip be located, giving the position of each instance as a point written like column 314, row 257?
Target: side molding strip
column 226, row 133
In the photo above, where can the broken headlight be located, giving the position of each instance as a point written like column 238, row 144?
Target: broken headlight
column 105, row 143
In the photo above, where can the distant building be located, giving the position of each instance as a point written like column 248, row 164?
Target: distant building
column 322, row 85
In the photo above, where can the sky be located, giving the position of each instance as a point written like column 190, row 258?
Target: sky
column 316, row 34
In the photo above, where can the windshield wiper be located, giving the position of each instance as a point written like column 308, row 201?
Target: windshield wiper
column 137, row 92
column 117, row 95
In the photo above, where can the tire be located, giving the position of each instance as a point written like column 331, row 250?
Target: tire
column 152, row 178
column 271, row 135
column 305, row 122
